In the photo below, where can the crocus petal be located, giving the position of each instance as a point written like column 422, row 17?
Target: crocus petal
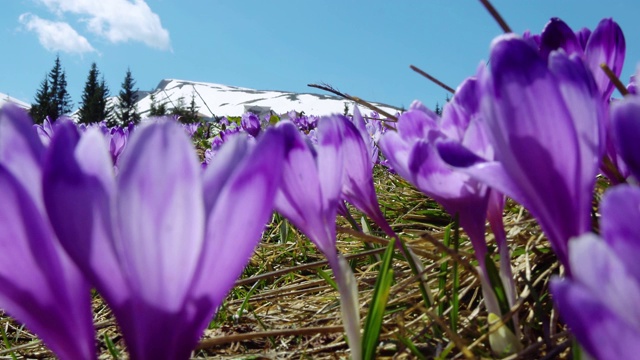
column 620, row 212
column 397, row 151
column 226, row 159
column 516, row 87
column 39, row 284
column 160, row 215
column 598, row 269
column 248, row 193
column 625, row 128
column 601, row 332
column 358, row 121
column 331, row 162
column 357, row 183
column 300, row 198
column 21, row 151
column 558, row 35
column 459, row 111
column 606, row 45
column 583, row 37
column 581, row 94
column 78, row 189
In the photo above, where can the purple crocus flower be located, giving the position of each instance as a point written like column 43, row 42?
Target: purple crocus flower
column 370, row 132
column 625, row 131
column 251, row 123
column 545, row 123
column 605, row 45
column 600, row 301
column 191, row 128
column 309, row 197
column 117, row 138
column 413, row 152
column 44, row 131
column 39, row 285
column 163, row 242
column 357, row 172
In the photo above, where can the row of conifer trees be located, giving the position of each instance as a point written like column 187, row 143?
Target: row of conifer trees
column 53, row 100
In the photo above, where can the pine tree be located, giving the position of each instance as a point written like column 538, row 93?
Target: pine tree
column 94, row 107
column 155, row 109
column 126, row 110
column 41, row 106
column 52, row 99
column 192, row 110
column 63, row 98
column 179, row 109
column 106, row 110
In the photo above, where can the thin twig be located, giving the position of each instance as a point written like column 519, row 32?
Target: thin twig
column 315, row 264
column 496, row 15
column 204, row 344
column 436, row 81
column 354, row 99
column 614, row 79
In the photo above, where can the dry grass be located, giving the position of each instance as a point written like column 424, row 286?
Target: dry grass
column 292, row 312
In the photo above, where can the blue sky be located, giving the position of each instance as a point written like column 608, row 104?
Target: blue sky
column 363, row 48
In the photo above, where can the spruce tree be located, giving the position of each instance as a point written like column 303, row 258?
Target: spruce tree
column 94, row 107
column 103, row 101
column 63, row 98
column 126, row 111
column 192, row 110
column 52, row 99
column 40, row 108
column 155, row 109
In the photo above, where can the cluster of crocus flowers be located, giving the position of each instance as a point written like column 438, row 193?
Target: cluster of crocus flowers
column 413, row 151
column 134, row 215
column 544, row 119
column 163, row 242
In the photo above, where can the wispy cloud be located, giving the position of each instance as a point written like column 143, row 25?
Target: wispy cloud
column 117, row 20
column 56, row 36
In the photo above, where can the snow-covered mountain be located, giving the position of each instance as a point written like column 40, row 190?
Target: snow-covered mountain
column 4, row 98
column 222, row 100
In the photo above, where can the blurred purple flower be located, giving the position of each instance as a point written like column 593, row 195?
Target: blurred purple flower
column 251, row 123
column 545, row 123
column 625, row 132
column 117, row 138
column 606, row 44
column 45, row 131
column 39, row 285
column 600, row 301
column 163, row 242
column 191, row 128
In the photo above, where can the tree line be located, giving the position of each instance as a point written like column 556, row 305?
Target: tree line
column 52, row 100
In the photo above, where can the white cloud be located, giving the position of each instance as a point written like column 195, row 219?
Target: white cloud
column 56, row 36
column 117, row 20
